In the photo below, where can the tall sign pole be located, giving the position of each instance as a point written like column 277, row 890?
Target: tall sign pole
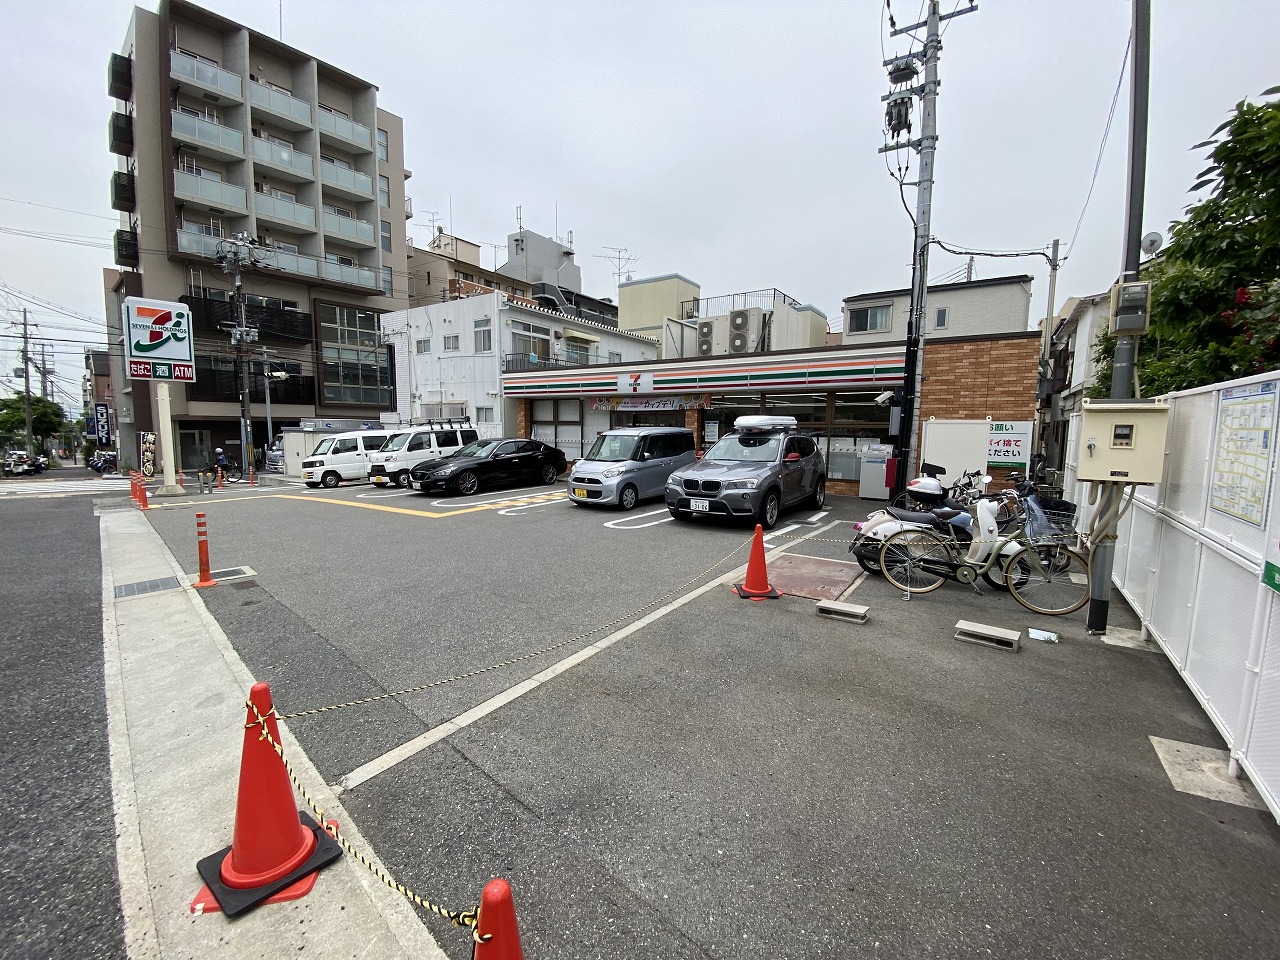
column 160, row 346
column 901, row 70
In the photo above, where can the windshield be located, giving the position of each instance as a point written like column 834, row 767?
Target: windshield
column 481, row 448
column 757, row 448
column 322, row 447
column 613, row 448
column 397, row 442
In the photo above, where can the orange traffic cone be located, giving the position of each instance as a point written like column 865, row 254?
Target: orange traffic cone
column 142, row 495
column 756, row 586
column 497, row 923
column 276, row 852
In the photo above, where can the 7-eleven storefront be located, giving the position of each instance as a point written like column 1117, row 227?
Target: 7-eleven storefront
column 830, row 391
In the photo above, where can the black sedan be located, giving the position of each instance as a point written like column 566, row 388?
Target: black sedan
column 490, row 463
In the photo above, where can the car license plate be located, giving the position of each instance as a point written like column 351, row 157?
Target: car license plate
column 700, row 506
column 579, row 492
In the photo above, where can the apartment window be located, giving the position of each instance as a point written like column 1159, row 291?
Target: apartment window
column 422, row 346
column 338, row 211
column 276, row 87
column 452, row 343
column 281, row 245
column 485, row 415
column 466, row 276
column 354, row 369
column 386, row 280
column 336, row 113
column 386, row 237
column 200, row 113
column 384, row 192
column 187, row 164
column 940, row 318
column 869, row 319
column 575, row 351
column 484, row 335
column 336, row 161
column 382, row 145
column 340, row 259
column 196, row 56
column 615, row 357
column 530, row 340
column 211, row 229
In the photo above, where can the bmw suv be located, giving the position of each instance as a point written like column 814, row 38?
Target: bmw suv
column 756, row 471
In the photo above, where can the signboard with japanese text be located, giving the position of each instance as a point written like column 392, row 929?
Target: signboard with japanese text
column 102, row 424
column 147, row 447
column 1009, row 444
column 157, row 340
column 688, row 401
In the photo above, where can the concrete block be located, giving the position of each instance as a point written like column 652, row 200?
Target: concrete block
column 989, row 636
column 854, row 613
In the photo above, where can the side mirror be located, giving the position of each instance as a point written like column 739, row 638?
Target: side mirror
column 792, row 457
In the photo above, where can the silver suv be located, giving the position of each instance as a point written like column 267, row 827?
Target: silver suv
column 758, row 470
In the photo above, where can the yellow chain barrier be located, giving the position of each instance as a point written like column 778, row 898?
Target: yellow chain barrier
column 459, row 918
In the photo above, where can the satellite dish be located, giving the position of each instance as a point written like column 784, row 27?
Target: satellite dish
column 1151, row 243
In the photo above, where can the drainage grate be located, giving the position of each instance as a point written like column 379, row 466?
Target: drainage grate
column 229, row 573
column 146, row 586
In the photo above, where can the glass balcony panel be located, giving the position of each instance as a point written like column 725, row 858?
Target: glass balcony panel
column 349, row 228
column 351, row 181
column 289, row 262
column 204, row 74
column 280, row 103
column 298, row 214
column 345, row 129
column 198, row 243
column 208, row 133
column 287, row 157
column 213, row 192
column 359, row 276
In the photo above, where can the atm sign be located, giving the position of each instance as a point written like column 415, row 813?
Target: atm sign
column 162, row 370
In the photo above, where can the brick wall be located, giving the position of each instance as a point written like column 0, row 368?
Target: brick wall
column 524, row 417
column 973, row 379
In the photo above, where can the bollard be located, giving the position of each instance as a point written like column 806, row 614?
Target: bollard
column 180, row 483
column 202, row 548
column 142, row 495
column 220, row 478
column 205, row 479
column 133, row 486
column 252, row 482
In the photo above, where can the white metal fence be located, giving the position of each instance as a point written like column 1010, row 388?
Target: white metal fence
column 1193, row 571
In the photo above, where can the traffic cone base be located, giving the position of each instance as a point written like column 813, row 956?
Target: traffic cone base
column 216, row 896
column 756, row 586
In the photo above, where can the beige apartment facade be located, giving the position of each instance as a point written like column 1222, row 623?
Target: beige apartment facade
column 222, row 132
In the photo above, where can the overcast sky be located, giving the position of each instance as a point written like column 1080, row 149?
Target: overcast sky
column 732, row 142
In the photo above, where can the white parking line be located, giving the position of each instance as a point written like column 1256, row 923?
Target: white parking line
column 511, row 511
column 628, row 523
column 463, row 502
column 781, row 530
column 385, row 496
column 818, row 516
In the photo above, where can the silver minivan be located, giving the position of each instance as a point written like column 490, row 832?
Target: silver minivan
column 626, row 465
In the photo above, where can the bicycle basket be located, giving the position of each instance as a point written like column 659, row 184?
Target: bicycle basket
column 1050, row 519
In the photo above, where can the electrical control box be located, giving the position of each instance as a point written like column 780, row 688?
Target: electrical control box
column 1130, row 308
column 1122, row 440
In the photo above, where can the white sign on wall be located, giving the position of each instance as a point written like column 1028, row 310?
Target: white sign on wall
column 1009, row 444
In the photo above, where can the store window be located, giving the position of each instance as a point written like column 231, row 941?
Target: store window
column 807, row 408
column 354, row 368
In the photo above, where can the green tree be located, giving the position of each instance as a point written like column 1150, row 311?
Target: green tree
column 47, row 417
column 1215, row 294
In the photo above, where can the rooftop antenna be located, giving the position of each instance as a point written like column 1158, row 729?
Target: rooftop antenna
column 519, row 221
column 620, row 260
column 433, row 217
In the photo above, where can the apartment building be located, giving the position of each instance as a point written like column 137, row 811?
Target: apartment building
column 222, row 131
column 976, row 308
column 449, row 268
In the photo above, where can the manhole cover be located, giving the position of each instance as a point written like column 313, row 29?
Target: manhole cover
column 811, row 577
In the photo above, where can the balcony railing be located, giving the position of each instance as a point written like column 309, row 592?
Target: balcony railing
column 287, row 211
column 213, row 193
column 351, row 181
column 206, row 133
column 280, row 103
column 341, row 273
column 201, row 244
column 513, row 362
column 125, row 247
column 205, row 75
column 346, row 130
column 358, row 231
column 285, row 157
column 213, row 316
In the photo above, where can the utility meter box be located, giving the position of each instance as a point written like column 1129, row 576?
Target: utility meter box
column 1130, row 308
column 1122, row 440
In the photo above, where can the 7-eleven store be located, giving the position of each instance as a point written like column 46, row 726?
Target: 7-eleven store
column 830, row 391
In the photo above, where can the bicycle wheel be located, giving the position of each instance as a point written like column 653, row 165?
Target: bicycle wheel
column 233, row 474
column 903, row 556
column 1050, row 579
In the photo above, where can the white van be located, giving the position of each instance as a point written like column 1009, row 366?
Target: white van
column 344, row 456
column 406, row 450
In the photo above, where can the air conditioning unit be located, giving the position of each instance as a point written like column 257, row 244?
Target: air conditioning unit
column 739, row 341
column 706, row 338
column 739, row 322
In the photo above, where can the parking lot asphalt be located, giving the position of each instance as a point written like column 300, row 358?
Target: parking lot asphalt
column 727, row 778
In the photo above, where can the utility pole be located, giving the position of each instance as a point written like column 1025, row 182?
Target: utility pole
column 1103, row 556
column 240, row 253
column 26, row 380
column 898, row 114
column 1047, row 400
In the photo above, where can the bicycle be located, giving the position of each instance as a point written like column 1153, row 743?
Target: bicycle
column 231, row 473
column 1044, row 576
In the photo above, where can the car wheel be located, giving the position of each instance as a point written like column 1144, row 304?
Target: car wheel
column 402, row 479
column 549, row 473
column 330, row 480
column 770, row 507
column 819, row 496
column 628, row 497
column 312, row 485
column 468, row 483
column 677, row 515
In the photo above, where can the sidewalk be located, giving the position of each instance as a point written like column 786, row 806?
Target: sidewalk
column 175, row 699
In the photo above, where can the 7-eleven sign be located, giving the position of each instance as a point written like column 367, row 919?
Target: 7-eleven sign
column 158, row 340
